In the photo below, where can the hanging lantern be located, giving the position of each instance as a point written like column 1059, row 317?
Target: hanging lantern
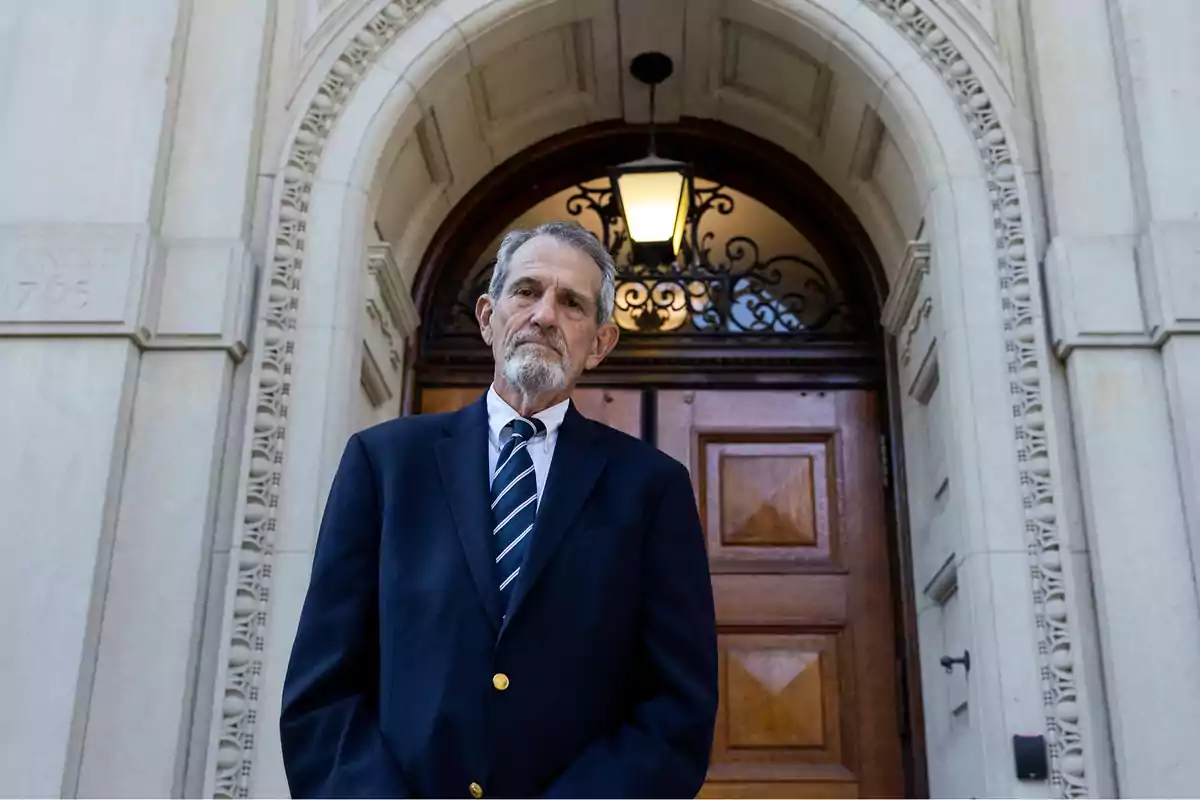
column 653, row 194
column 655, row 197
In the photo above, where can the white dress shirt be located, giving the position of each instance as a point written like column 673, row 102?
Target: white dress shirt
column 541, row 449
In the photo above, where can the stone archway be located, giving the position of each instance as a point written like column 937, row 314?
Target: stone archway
column 787, row 348
column 981, row 286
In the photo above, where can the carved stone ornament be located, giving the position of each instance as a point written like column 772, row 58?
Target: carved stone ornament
column 393, row 289
column 914, row 325
column 906, row 288
column 1026, row 351
column 232, row 762
column 377, row 316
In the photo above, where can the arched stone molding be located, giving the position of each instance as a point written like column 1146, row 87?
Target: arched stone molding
column 953, row 119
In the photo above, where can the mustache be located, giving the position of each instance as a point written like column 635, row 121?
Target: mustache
column 552, row 339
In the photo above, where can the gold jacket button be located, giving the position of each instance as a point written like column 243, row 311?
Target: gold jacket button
column 476, row 791
column 500, row 681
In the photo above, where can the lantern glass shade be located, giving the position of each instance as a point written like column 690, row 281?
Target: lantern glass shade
column 655, row 198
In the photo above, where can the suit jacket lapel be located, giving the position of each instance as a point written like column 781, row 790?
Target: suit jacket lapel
column 579, row 458
column 463, row 460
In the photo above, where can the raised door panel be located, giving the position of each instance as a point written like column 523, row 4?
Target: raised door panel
column 768, row 498
column 789, row 488
column 782, row 698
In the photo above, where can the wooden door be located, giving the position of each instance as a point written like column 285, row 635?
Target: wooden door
column 790, row 492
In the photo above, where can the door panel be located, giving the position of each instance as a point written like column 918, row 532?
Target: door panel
column 790, row 493
column 768, row 497
column 617, row 408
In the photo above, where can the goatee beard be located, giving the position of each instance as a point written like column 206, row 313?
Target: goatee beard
column 531, row 373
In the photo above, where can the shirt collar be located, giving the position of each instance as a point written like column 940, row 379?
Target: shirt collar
column 500, row 413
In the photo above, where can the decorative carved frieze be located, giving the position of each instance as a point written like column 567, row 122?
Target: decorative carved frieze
column 231, row 759
column 1028, row 354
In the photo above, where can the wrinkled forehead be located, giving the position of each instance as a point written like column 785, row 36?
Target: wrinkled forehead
column 549, row 261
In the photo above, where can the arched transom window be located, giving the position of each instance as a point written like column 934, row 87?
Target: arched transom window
column 742, row 270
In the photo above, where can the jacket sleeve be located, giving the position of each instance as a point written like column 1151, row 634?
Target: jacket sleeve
column 329, row 729
column 663, row 747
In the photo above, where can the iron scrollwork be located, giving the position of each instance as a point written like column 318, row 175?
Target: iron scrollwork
column 599, row 200
column 738, row 291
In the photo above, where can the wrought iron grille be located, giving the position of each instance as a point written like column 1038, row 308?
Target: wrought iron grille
column 733, row 291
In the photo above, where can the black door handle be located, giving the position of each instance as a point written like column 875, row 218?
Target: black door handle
column 965, row 659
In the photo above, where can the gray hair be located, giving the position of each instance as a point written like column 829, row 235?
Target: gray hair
column 571, row 234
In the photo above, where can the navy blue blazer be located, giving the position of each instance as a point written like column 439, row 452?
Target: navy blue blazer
column 609, row 644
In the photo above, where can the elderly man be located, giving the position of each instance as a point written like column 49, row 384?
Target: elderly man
column 511, row 599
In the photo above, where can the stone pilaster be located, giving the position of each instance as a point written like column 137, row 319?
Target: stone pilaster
column 191, row 326
column 86, row 112
column 1118, row 290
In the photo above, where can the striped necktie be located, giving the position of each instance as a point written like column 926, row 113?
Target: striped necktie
column 514, row 503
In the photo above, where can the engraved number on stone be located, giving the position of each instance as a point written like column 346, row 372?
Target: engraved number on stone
column 56, row 292
column 25, row 290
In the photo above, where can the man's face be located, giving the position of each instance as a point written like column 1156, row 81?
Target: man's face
column 542, row 329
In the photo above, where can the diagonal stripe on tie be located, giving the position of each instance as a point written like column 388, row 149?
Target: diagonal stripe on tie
column 504, row 491
column 524, row 504
column 504, row 584
column 514, row 503
column 513, row 544
column 520, row 446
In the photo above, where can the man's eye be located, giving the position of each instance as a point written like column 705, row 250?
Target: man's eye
column 524, row 291
column 572, row 302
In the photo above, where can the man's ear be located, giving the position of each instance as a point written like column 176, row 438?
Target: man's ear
column 483, row 314
column 602, row 345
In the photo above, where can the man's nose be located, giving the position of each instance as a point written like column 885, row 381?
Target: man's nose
column 545, row 313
